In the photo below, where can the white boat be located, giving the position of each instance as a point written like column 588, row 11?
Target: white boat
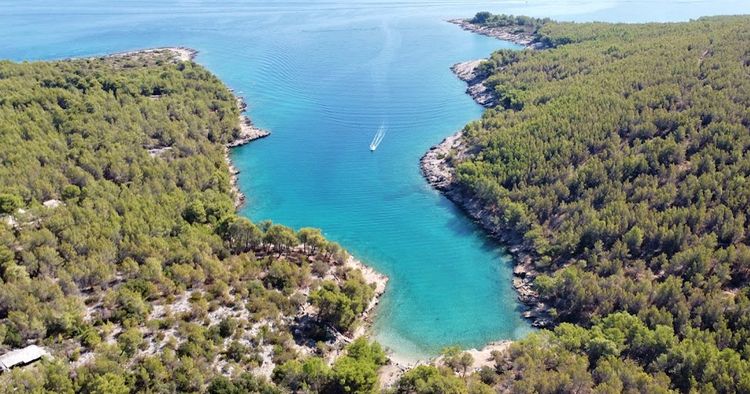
column 377, row 138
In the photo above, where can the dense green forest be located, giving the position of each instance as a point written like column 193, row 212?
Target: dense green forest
column 121, row 253
column 620, row 159
column 487, row 19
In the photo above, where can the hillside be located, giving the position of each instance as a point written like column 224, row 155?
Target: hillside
column 615, row 166
column 121, row 253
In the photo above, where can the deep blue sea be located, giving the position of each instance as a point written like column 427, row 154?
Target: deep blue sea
column 323, row 77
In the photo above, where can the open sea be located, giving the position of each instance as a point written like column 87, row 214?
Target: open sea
column 324, row 77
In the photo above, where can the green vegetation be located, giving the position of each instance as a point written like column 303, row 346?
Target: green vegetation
column 355, row 372
column 428, row 379
column 339, row 306
column 524, row 23
column 120, row 250
column 620, row 160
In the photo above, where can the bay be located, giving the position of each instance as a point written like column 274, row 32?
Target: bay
column 323, row 77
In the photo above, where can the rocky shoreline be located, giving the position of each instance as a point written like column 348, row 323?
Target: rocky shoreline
column 248, row 133
column 474, row 77
column 507, row 33
column 183, row 54
column 371, row 277
column 438, row 168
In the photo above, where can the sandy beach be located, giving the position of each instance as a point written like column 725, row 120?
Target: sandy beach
column 390, row 374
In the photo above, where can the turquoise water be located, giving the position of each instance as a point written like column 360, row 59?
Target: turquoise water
column 323, row 76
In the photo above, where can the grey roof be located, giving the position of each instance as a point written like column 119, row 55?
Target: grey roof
column 21, row 357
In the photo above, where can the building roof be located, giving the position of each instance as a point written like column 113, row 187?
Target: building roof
column 52, row 203
column 21, row 357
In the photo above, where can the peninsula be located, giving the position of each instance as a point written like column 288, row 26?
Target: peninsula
column 121, row 253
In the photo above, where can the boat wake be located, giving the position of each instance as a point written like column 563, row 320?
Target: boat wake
column 378, row 138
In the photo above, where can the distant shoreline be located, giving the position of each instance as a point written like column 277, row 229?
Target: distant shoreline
column 184, row 54
column 527, row 39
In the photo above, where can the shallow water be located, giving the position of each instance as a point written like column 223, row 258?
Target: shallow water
column 323, row 76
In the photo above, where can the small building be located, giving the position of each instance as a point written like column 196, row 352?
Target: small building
column 21, row 357
column 52, row 203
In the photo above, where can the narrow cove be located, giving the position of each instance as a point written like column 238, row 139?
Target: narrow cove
column 449, row 284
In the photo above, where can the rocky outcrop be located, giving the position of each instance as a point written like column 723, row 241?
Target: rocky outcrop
column 471, row 73
column 248, row 133
column 436, row 163
column 513, row 34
